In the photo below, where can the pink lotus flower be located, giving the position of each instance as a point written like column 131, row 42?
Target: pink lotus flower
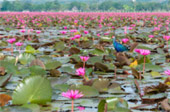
column 98, row 35
column 151, row 36
column 73, row 31
column 65, row 27
column 80, row 72
column 72, row 38
column 106, row 33
column 86, row 32
column 144, row 52
column 84, row 58
column 11, row 41
column 130, row 28
column 113, row 27
column 133, row 25
column 167, row 72
column 63, row 32
column 38, row 31
column 156, row 29
column 77, row 36
column 72, row 94
column 23, row 31
column 30, row 30
column 75, row 21
column 125, row 40
column 19, row 44
column 137, row 50
column 166, row 37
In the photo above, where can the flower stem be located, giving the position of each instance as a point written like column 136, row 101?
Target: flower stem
column 84, row 64
column 79, row 43
column 19, row 50
column 72, row 108
column 167, row 46
column 143, row 66
column 12, row 49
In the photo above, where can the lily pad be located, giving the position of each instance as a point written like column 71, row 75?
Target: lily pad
column 34, row 89
column 52, row 65
column 86, row 90
column 25, row 58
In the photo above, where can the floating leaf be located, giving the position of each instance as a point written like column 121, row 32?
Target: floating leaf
column 4, row 79
column 67, row 69
column 113, row 105
column 34, row 89
column 74, row 50
column 101, row 66
column 10, row 67
column 52, row 65
column 97, row 52
column 38, row 63
column 4, row 99
column 25, row 58
column 30, row 49
column 37, row 70
column 161, row 88
column 87, row 90
column 154, row 98
column 155, row 74
column 55, row 73
column 101, row 106
column 95, row 59
column 33, row 107
column 62, row 87
column 101, row 85
column 59, row 46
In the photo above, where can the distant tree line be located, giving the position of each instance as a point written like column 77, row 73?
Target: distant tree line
column 107, row 5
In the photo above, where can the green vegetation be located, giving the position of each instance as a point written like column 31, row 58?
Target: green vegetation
column 85, row 5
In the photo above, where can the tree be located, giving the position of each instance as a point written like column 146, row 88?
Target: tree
column 6, row 5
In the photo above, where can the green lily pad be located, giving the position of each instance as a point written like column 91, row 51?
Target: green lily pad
column 52, row 65
column 37, row 70
column 25, row 58
column 113, row 105
column 4, row 80
column 30, row 49
column 86, row 90
column 95, row 59
column 33, row 107
column 34, row 89
column 155, row 74
column 9, row 67
column 59, row 46
column 101, row 85
column 62, row 87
